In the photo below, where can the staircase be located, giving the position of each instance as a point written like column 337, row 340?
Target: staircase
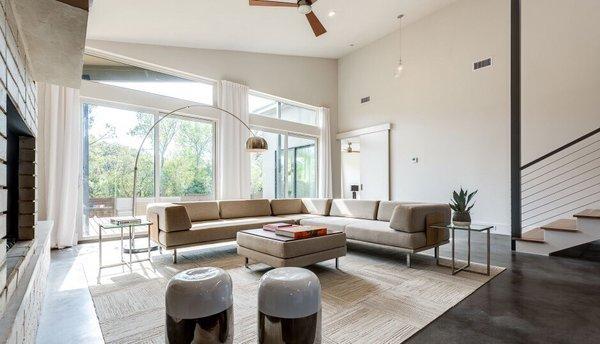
column 560, row 197
column 561, row 234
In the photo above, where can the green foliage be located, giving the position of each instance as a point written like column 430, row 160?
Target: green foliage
column 461, row 201
column 186, row 162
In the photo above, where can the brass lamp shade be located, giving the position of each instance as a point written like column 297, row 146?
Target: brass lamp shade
column 256, row 144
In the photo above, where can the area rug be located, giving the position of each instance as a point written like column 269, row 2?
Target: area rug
column 372, row 298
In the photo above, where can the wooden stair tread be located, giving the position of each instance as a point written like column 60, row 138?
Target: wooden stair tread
column 566, row 225
column 589, row 214
column 533, row 235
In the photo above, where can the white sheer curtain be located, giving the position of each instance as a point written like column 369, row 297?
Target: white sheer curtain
column 234, row 161
column 59, row 162
column 325, row 176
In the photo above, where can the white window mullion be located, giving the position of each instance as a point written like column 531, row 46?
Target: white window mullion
column 286, row 171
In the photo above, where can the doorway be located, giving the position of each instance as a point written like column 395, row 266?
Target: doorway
column 365, row 163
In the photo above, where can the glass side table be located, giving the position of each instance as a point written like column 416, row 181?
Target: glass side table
column 105, row 224
column 469, row 229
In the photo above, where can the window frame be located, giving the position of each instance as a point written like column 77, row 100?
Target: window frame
column 155, row 68
column 286, row 149
column 280, row 101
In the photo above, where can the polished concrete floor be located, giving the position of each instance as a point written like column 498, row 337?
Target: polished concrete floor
column 536, row 300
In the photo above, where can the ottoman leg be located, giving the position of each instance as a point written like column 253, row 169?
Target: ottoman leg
column 337, row 263
column 175, row 256
column 408, row 260
column 246, row 263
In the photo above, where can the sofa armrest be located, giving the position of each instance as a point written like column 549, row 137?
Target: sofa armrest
column 171, row 217
column 413, row 218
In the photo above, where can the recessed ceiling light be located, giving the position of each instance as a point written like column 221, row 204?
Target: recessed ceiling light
column 331, row 13
column 351, row 44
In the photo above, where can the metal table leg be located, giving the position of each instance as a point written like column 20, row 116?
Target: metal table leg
column 100, row 246
column 488, row 252
column 122, row 259
column 130, row 246
column 149, row 248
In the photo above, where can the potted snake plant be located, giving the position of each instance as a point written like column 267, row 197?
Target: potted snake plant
column 461, row 204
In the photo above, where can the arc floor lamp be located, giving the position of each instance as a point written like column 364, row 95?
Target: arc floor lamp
column 253, row 144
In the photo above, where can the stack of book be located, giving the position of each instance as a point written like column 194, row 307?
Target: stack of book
column 125, row 221
column 295, row 231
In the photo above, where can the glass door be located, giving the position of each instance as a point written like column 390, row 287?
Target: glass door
column 287, row 170
column 302, row 167
column 111, row 139
column 267, row 168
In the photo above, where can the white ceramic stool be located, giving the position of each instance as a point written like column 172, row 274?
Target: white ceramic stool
column 199, row 307
column 289, row 307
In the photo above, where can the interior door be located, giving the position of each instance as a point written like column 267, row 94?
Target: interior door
column 375, row 166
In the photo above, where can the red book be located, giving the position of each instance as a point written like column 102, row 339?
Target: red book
column 272, row 227
column 301, row 232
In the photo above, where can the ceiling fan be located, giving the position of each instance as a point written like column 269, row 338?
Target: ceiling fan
column 303, row 6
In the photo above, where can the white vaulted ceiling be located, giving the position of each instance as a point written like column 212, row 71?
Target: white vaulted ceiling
column 234, row 25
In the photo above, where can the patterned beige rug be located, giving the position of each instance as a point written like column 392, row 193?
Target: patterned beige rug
column 373, row 298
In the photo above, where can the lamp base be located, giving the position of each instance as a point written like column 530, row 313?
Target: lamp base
column 139, row 245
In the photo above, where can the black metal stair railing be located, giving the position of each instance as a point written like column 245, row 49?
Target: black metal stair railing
column 562, row 182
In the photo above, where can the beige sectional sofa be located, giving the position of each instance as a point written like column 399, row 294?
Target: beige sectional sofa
column 404, row 225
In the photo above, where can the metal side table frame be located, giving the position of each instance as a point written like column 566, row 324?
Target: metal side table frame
column 469, row 229
column 103, row 225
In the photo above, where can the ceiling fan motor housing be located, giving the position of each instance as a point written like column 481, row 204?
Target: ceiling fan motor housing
column 304, row 7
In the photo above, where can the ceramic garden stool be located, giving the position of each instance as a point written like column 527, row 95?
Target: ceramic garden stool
column 199, row 307
column 289, row 307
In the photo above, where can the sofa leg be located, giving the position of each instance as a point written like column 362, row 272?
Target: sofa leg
column 160, row 249
column 246, row 263
column 175, row 256
column 408, row 260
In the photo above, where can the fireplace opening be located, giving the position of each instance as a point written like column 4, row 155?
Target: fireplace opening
column 17, row 166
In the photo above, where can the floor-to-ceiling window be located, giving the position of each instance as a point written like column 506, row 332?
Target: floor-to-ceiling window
column 177, row 160
column 289, row 168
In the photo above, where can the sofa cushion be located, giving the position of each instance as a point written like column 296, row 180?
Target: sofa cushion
column 331, row 222
column 358, row 209
column 206, row 231
column 316, row 206
column 286, row 206
column 379, row 232
column 386, row 209
column 245, row 208
column 412, row 218
column 171, row 217
column 201, row 211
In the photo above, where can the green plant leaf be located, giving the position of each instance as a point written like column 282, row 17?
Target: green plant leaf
column 455, row 196
column 452, row 206
column 470, row 197
column 471, row 207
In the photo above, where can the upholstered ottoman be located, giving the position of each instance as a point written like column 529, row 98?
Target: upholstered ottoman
column 278, row 251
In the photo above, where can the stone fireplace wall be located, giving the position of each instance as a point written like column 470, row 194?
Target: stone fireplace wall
column 17, row 91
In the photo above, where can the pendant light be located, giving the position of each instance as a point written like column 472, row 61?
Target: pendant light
column 399, row 67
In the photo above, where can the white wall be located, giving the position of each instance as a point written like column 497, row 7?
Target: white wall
column 560, row 73
column 455, row 120
column 303, row 79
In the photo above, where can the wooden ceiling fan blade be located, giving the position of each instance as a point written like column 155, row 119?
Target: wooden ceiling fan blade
column 272, row 3
column 315, row 24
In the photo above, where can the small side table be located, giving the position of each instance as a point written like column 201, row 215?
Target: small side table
column 469, row 229
column 105, row 224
